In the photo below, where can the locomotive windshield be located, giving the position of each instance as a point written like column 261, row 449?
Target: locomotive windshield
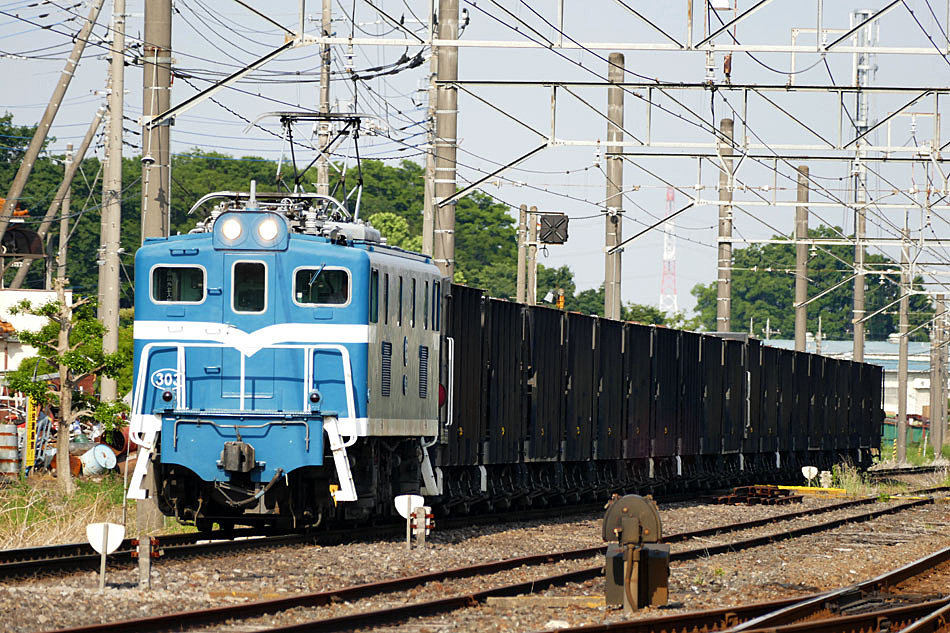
column 249, row 286
column 178, row 284
column 322, row 286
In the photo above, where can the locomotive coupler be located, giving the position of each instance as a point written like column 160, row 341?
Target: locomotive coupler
column 237, row 457
column 638, row 565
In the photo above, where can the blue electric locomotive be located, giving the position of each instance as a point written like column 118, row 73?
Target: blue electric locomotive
column 276, row 322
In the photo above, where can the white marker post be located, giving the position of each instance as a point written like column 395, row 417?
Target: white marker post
column 809, row 472
column 405, row 504
column 105, row 538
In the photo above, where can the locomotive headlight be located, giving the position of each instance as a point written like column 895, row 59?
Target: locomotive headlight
column 231, row 230
column 268, row 229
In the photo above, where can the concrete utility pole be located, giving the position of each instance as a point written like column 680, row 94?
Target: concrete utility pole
column 428, row 208
column 724, row 284
column 614, row 154
column 64, row 220
column 42, row 130
column 942, row 365
column 860, row 223
column 156, row 196
column 532, row 258
column 112, row 200
column 936, row 387
column 156, row 98
column 801, row 260
column 522, row 253
column 323, row 138
column 902, row 349
column 862, row 72
column 938, row 380
column 446, row 140
column 72, row 166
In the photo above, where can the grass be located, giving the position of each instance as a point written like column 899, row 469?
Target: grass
column 34, row 512
column 855, row 482
column 916, row 455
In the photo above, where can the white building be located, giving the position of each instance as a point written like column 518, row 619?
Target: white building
column 14, row 352
column 885, row 353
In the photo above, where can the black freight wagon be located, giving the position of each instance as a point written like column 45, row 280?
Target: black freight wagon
column 550, row 407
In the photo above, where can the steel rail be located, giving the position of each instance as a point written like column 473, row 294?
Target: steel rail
column 731, row 618
column 78, row 556
column 903, row 619
column 916, row 470
column 937, row 620
column 254, row 609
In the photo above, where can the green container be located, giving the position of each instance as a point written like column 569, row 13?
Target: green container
column 915, row 434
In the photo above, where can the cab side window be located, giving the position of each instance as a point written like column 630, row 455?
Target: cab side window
column 178, row 284
column 321, row 286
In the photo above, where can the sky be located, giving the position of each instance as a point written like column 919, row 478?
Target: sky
column 214, row 37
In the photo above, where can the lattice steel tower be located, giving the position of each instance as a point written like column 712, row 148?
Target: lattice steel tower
column 668, row 284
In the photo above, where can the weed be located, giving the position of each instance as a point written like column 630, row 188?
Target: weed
column 846, row 475
column 720, row 572
column 35, row 511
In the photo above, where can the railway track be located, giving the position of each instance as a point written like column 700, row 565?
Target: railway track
column 70, row 557
column 81, row 557
column 896, row 472
column 362, row 617
column 826, row 612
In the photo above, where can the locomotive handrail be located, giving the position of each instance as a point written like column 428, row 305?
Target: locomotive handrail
column 450, row 396
column 199, row 422
column 138, row 401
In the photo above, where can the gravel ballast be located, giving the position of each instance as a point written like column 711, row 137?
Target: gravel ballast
column 795, row 567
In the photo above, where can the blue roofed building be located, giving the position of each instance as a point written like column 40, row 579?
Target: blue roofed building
column 885, row 354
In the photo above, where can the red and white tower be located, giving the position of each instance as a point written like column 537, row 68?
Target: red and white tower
column 668, row 284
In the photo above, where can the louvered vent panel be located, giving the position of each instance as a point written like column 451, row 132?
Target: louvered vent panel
column 387, row 368
column 423, row 371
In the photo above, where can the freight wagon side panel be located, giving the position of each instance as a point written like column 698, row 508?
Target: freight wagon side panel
column 858, row 403
column 691, row 393
column 546, row 383
column 802, row 403
column 637, row 369
column 816, row 401
column 735, row 404
column 874, row 423
column 609, row 384
column 755, row 439
column 714, row 395
column 843, row 397
column 464, row 325
column 504, row 334
column 785, row 398
column 768, row 398
column 666, row 392
column 832, row 403
column 579, row 398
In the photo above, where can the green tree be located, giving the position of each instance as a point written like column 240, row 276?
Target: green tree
column 763, row 288
column 71, row 344
column 395, row 229
column 392, row 200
